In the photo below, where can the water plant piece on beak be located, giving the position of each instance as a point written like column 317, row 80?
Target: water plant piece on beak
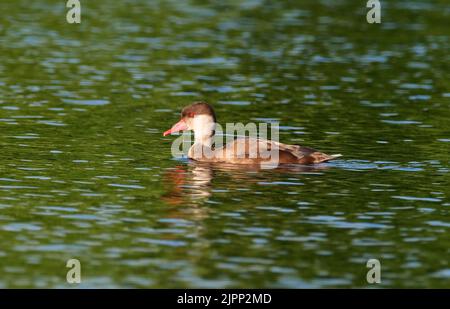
column 179, row 126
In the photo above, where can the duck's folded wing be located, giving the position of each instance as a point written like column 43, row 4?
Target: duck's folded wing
column 258, row 149
column 246, row 149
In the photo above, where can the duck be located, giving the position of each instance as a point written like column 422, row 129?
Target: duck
column 200, row 118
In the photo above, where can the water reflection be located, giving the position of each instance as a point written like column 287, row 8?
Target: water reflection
column 194, row 181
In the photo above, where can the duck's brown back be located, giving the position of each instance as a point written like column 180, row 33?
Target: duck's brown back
column 256, row 151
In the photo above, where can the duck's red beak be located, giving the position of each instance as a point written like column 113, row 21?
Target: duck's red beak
column 179, row 126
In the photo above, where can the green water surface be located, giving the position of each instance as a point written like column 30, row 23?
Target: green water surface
column 86, row 173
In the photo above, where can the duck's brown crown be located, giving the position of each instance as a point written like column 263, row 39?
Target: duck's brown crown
column 198, row 108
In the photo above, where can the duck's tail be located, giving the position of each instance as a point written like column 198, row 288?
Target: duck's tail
column 317, row 157
column 325, row 158
column 335, row 156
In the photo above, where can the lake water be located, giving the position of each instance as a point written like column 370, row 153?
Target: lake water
column 87, row 174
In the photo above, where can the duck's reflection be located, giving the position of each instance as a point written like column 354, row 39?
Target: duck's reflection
column 188, row 182
column 193, row 182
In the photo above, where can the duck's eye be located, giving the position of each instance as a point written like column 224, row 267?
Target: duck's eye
column 191, row 115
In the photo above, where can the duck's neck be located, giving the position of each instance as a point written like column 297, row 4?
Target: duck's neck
column 204, row 140
column 204, row 127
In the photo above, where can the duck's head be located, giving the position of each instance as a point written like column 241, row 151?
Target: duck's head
column 199, row 117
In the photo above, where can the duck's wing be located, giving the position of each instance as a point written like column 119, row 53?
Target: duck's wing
column 254, row 150
column 246, row 149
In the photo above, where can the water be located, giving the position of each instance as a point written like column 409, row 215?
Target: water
column 86, row 173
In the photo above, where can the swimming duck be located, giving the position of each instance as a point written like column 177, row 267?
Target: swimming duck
column 200, row 118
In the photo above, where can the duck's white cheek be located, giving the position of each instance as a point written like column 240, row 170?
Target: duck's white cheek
column 190, row 124
column 203, row 123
